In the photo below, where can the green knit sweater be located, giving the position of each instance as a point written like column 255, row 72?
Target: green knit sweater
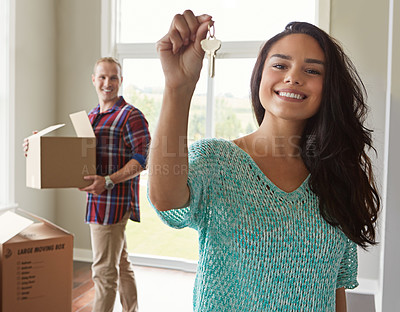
column 261, row 249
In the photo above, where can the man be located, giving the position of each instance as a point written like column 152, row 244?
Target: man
column 122, row 142
column 113, row 197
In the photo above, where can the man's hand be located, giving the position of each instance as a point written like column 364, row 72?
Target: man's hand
column 97, row 187
column 25, row 145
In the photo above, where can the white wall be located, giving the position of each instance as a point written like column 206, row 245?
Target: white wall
column 390, row 269
column 366, row 43
column 78, row 48
column 57, row 43
column 35, row 95
column 363, row 27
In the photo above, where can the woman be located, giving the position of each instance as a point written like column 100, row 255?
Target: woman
column 280, row 211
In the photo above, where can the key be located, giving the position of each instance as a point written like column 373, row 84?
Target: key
column 211, row 45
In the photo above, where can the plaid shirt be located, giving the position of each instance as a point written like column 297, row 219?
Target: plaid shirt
column 122, row 134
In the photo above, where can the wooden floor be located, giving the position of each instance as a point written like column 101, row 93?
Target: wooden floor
column 154, row 289
column 82, row 287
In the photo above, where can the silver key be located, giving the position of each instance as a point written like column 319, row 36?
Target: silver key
column 211, row 45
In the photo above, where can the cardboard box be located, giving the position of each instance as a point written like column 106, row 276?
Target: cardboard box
column 57, row 162
column 36, row 265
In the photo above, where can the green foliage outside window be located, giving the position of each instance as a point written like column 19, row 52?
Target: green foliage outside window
column 233, row 117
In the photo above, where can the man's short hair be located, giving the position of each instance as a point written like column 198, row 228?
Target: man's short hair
column 108, row 59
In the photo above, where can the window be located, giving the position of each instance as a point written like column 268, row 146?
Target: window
column 220, row 106
column 6, row 107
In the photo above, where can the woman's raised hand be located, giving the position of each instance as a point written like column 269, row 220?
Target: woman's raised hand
column 181, row 59
column 180, row 51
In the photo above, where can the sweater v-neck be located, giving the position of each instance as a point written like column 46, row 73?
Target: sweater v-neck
column 256, row 169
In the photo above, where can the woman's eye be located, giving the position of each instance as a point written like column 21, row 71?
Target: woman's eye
column 278, row 66
column 313, row 72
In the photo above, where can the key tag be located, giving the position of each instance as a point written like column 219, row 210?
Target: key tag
column 211, row 45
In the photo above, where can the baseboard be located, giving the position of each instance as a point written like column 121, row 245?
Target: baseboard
column 164, row 262
column 84, row 255
column 145, row 260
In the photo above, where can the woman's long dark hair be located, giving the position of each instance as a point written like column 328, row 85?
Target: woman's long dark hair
column 334, row 141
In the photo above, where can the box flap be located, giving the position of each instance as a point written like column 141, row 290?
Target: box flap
column 47, row 130
column 11, row 224
column 82, row 125
column 42, row 220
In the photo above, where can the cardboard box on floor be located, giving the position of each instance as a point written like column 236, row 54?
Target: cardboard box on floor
column 58, row 162
column 36, row 265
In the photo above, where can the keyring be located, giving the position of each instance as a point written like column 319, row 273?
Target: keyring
column 209, row 30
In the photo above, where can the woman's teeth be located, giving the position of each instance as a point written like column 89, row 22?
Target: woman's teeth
column 291, row 95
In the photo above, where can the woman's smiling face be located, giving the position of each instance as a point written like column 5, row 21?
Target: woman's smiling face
column 292, row 79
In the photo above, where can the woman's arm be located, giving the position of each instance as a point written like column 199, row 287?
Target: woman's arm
column 181, row 58
column 341, row 300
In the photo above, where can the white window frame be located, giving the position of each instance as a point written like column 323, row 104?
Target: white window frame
column 7, row 191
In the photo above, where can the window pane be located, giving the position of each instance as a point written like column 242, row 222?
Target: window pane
column 235, row 20
column 143, row 87
column 198, row 109
column 152, row 237
column 233, row 115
